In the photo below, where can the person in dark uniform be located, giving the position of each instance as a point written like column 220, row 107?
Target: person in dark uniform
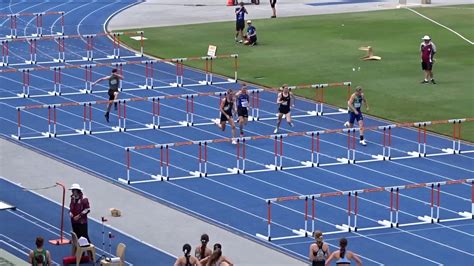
column 251, row 36
column 427, row 52
column 240, row 22
column 114, row 82
column 285, row 100
column 318, row 251
column 242, row 107
column 226, row 108
column 355, row 112
column 272, row 4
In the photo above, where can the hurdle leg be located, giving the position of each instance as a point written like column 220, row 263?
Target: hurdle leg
column 5, row 52
column 18, row 134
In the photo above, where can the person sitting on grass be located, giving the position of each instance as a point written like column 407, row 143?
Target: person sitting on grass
column 251, row 37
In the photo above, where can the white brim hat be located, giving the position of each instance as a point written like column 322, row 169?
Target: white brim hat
column 75, row 186
column 249, row 22
column 426, row 38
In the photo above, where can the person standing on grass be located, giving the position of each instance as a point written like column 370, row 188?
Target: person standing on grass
column 114, row 81
column 273, row 4
column 343, row 256
column 355, row 112
column 226, row 108
column 251, row 36
column 40, row 256
column 187, row 259
column 242, row 107
column 240, row 22
column 318, row 251
column 78, row 210
column 285, row 100
column 427, row 52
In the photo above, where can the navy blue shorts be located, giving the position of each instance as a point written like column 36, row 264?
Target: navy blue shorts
column 353, row 117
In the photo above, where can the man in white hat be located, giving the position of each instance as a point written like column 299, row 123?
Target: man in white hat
column 78, row 210
column 427, row 51
column 251, row 37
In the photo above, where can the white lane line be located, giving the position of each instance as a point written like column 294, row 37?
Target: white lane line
column 441, row 25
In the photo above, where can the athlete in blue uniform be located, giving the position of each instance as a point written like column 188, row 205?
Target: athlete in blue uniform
column 226, row 108
column 343, row 256
column 285, row 100
column 355, row 112
column 114, row 81
column 251, row 37
column 242, row 107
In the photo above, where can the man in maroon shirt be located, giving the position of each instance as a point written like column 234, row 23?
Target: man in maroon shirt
column 78, row 210
column 427, row 51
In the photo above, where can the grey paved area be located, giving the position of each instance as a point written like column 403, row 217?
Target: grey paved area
column 177, row 12
column 147, row 220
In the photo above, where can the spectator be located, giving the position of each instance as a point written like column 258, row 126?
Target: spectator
column 272, row 4
column 251, row 37
column 216, row 258
column 40, row 256
column 187, row 259
column 78, row 210
column 427, row 52
column 343, row 256
column 202, row 251
column 240, row 22
column 318, row 251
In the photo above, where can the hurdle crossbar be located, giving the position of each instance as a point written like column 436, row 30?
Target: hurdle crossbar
column 122, row 113
column 278, row 140
column 434, row 189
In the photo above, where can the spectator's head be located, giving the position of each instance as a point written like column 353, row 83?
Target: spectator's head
column 76, row 189
column 249, row 22
column 426, row 39
column 186, row 249
column 39, row 242
column 358, row 90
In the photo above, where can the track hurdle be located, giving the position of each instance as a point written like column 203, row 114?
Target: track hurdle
column 208, row 66
column 38, row 22
column 122, row 104
column 62, row 40
column 433, row 189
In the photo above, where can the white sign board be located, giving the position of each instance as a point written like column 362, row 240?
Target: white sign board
column 211, row 51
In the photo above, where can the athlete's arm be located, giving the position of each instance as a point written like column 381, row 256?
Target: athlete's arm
column 101, row 79
column 225, row 259
column 48, row 257
column 118, row 75
column 355, row 257
column 365, row 102
column 310, row 256
column 331, row 257
column 279, row 98
column 293, row 98
column 195, row 261
column 351, row 106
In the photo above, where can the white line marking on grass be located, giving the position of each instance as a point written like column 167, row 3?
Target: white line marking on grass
column 439, row 24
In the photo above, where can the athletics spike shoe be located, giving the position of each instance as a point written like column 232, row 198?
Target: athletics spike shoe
column 346, row 124
column 424, row 82
column 275, row 131
column 363, row 143
column 107, row 117
column 234, row 142
column 433, row 81
column 291, row 124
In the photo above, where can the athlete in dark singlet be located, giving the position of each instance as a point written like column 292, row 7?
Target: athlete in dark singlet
column 226, row 108
column 114, row 82
column 318, row 251
column 355, row 112
column 187, row 259
column 285, row 100
column 242, row 107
